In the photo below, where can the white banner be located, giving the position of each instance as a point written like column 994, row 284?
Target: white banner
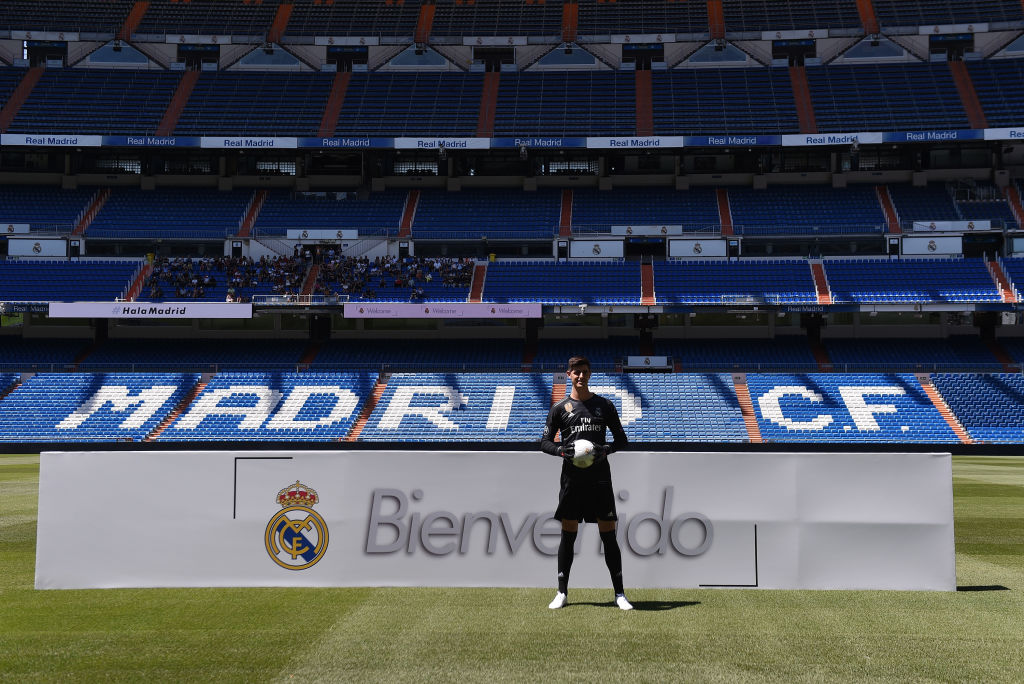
column 936, row 245
column 647, row 362
column 322, row 234
column 795, row 34
column 196, row 39
column 496, row 41
column 346, row 40
column 447, row 143
column 636, row 143
column 696, row 249
column 596, row 249
column 441, row 310
column 136, row 310
column 396, row 518
column 1004, row 134
column 248, row 143
column 45, row 140
column 13, row 228
column 807, row 139
column 980, row 27
column 951, row 226
column 56, row 247
column 69, row 36
column 647, row 230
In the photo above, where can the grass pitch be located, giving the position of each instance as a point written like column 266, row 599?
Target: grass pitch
column 494, row 635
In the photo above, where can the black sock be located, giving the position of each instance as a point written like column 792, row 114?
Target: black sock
column 613, row 559
column 566, row 548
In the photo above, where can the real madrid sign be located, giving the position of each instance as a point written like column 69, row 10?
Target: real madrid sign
column 398, row 518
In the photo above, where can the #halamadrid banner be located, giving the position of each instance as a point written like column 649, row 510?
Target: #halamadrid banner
column 433, row 518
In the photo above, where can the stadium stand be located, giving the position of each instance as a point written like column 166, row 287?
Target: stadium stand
column 460, row 407
column 955, row 354
column 564, row 103
column 911, row 280
column 930, row 203
column 96, row 101
column 45, row 209
column 598, row 18
column 87, row 16
column 594, row 210
column 194, row 355
column 372, row 214
column 846, row 408
column 990, row 407
column 257, row 104
column 1014, row 347
column 574, row 282
column 9, row 80
column 21, row 354
column 273, row 406
column 411, row 103
column 393, row 355
column 396, row 280
column 496, row 18
column 354, row 18
column 207, row 17
column 607, row 354
column 766, row 15
column 65, row 281
column 774, row 281
column 90, row 407
column 885, row 97
column 472, row 214
column 992, row 79
column 899, row 13
column 222, row 279
column 171, row 212
column 816, row 209
column 778, row 354
column 720, row 100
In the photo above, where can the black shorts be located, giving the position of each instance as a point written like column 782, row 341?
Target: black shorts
column 586, row 502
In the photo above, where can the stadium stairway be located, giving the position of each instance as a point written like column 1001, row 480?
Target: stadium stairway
column 280, row 22
column 1013, row 198
column 968, row 95
column 821, row 357
column 409, row 213
column 476, row 290
column 943, row 408
column 570, row 21
column 647, row 295
column 135, row 289
column 309, row 354
column 868, row 18
column 724, row 211
column 87, row 216
column 4, row 391
column 891, row 217
column 132, row 21
column 310, row 281
column 1005, row 289
column 18, row 97
column 644, row 103
column 821, row 282
column 177, row 104
column 565, row 222
column 371, row 403
column 178, row 410
column 716, row 19
column 739, row 381
column 997, row 350
column 252, row 213
column 335, row 101
column 84, row 354
column 488, row 104
column 802, row 99
column 424, row 23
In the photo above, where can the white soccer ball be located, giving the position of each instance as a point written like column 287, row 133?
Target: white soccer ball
column 583, row 453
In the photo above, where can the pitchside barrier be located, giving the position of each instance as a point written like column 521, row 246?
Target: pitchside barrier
column 436, row 518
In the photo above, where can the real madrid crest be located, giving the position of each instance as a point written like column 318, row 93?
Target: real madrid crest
column 296, row 537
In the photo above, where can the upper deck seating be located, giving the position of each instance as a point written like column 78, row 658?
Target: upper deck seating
column 925, row 12
column 996, row 84
column 768, row 15
column 496, row 18
column 43, row 208
column 379, row 212
column 171, row 212
column 353, row 18
column 595, row 210
column 773, row 281
column 65, row 281
column 910, row 280
column 208, row 17
column 85, row 16
column 477, row 213
column 573, row 282
column 565, row 103
column 806, row 209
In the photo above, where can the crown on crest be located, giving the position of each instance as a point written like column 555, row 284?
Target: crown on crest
column 297, row 494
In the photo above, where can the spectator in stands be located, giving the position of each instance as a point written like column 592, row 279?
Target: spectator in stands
column 586, row 493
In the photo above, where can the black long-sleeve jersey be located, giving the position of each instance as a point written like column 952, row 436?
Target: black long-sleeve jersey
column 588, row 419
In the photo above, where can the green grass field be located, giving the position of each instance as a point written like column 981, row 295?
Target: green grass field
column 492, row 635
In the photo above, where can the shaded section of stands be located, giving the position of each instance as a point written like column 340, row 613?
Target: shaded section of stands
column 954, row 353
column 373, row 214
column 738, row 355
column 43, row 208
column 550, row 103
column 423, row 355
column 208, row 17
column 911, row 280
column 353, row 18
column 695, row 209
column 771, row 15
column 86, row 16
column 497, row 18
column 598, row 18
column 734, row 282
column 902, row 13
column 482, row 213
column 171, row 212
column 800, row 209
column 411, row 103
column 846, row 408
column 65, row 281
column 990, row 407
column 195, row 354
column 996, row 83
column 573, row 282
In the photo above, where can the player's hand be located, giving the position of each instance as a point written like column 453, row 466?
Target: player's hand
column 601, row 452
column 567, row 452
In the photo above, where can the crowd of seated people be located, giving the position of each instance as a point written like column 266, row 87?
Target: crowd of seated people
column 361, row 278
column 182, row 278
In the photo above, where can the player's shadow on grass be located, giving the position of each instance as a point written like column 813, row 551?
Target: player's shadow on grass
column 982, row 587
column 642, row 605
